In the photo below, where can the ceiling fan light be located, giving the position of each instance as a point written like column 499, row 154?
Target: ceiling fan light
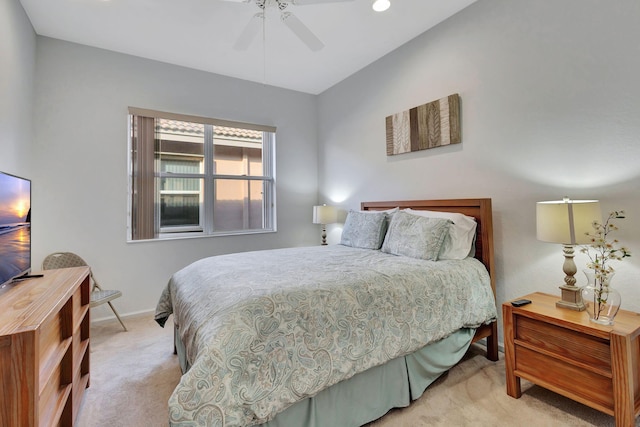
column 381, row 5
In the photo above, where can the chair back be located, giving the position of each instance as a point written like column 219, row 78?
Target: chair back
column 68, row 260
column 62, row 260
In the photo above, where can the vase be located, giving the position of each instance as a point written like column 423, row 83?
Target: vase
column 601, row 300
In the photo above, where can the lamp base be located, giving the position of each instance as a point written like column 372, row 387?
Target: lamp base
column 324, row 235
column 571, row 298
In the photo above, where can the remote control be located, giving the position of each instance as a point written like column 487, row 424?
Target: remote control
column 27, row 277
column 520, row 302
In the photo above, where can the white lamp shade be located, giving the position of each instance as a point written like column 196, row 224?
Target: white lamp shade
column 324, row 214
column 566, row 221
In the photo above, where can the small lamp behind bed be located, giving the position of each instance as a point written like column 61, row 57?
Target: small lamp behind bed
column 566, row 221
column 324, row 215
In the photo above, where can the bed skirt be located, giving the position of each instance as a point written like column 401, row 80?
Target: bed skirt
column 369, row 395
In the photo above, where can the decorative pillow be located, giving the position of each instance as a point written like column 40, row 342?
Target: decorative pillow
column 364, row 229
column 458, row 244
column 389, row 213
column 415, row 236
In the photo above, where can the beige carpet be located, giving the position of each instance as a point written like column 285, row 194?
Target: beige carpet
column 133, row 373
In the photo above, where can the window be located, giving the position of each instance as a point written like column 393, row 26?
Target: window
column 192, row 176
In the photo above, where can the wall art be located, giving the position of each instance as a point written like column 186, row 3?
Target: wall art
column 429, row 125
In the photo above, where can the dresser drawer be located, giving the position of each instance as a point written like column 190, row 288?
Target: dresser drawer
column 576, row 346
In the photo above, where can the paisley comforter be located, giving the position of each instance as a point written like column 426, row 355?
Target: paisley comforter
column 266, row 329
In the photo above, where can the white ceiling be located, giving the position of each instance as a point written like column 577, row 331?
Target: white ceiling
column 200, row 34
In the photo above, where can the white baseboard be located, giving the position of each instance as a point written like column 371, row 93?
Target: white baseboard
column 123, row 316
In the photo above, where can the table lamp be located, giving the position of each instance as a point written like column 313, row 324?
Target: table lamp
column 324, row 215
column 567, row 222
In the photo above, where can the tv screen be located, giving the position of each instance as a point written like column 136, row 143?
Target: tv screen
column 15, row 227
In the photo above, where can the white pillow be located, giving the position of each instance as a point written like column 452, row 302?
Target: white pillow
column 458, row 242
column 388, row 211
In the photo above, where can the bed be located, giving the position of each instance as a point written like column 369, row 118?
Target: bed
column 332, row 335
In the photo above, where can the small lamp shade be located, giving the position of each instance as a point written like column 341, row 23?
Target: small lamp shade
column 324, row 214
column 566, row 221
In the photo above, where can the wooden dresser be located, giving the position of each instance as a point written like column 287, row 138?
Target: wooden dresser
column 44, row 348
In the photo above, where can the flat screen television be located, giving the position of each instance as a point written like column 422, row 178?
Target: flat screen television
column 15, row 227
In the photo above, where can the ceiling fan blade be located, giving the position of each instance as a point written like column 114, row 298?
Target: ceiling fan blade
column 305, row 2
column 302, row 31
column 249, row 33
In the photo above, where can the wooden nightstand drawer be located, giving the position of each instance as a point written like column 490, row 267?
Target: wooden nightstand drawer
column 578, row 347
column 559, row 375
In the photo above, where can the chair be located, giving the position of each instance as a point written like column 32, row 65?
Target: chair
column 98, row 295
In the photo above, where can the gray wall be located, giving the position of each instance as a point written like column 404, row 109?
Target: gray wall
column 80, row 162
column 549, row 94
column 17, row 68
column 549, row 108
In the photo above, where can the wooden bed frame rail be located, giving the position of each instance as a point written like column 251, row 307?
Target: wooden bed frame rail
column 480, row 209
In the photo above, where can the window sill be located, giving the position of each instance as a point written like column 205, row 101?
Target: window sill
column 183, row 236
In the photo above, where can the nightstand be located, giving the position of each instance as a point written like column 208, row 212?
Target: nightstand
column 563, row 351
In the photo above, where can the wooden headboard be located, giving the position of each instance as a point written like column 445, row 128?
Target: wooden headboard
column 480, row 209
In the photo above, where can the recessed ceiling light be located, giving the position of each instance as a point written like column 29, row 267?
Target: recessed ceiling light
column 381, row 5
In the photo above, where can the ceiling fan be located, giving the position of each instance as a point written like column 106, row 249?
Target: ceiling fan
column 289, row 19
